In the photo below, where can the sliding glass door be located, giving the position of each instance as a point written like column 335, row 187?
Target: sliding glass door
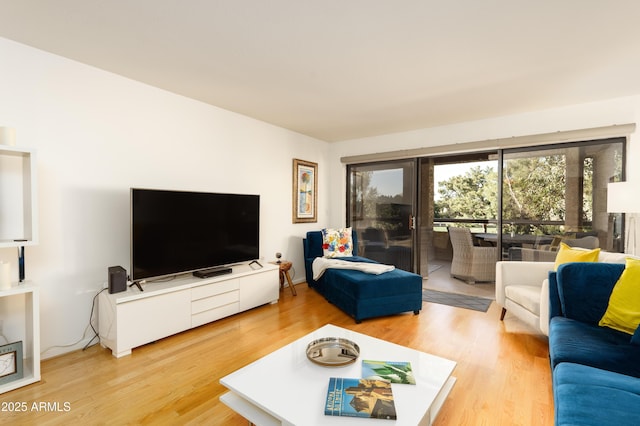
column 525, row 201
column 559, row 193
column 381, row 210
column 456, row 191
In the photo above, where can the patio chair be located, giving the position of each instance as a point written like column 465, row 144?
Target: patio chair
column 471, row 263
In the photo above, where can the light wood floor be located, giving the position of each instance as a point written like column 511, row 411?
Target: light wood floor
column 503, row 375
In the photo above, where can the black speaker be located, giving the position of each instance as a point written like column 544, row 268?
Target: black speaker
column 117, row 279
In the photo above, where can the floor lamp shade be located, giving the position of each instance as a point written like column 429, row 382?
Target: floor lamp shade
column 622, row 197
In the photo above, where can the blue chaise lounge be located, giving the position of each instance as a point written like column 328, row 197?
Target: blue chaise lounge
column 360, row 294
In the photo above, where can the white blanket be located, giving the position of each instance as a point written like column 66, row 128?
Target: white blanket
column 321, row 264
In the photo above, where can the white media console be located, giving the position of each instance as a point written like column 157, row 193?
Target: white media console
column 134, row 318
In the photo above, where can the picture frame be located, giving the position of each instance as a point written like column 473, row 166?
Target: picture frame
column 305, row 191
column 11, row 362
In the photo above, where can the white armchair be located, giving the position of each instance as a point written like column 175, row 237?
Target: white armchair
column 522, row 288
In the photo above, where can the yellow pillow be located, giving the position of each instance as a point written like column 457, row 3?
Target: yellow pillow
column 623, row 311
column 568, row 254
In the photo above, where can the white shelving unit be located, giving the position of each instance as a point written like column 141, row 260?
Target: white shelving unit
column 20, row 304
column 134, row 318
column 28, row 294
column 18, row 197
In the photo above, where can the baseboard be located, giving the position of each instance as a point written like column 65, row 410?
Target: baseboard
column 55, row 351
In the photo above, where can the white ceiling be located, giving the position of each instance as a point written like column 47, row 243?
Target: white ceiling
column 343, row 69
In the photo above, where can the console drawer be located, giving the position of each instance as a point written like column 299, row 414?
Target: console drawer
column 208, row 290
column 214, row 314
column 213, row 302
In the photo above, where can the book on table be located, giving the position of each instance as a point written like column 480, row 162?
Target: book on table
column 350, row 397
column 393, row 371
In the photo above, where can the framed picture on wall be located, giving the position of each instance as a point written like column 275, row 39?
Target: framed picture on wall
column 305, row 191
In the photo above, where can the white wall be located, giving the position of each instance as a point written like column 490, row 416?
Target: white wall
column 597, row 114
column 96, row 135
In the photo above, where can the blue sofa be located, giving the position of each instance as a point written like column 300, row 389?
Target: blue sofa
column 595, row 370
column 359, row 294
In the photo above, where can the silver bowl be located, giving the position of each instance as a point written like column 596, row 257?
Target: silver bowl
column 333, row 351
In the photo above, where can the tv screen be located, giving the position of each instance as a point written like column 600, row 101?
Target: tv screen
column 174, row 232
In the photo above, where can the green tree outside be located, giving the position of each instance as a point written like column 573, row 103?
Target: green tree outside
column 533, row 190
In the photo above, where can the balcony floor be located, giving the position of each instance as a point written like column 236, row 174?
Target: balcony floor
column 440, row 279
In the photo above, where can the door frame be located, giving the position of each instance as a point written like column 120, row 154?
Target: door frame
column 415, row 190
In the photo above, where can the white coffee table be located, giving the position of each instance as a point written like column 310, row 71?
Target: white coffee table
column 285, row 388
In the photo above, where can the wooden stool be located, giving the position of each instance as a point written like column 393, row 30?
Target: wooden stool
column 284, row 273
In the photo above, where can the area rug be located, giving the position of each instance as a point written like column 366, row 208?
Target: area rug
column 457, row 300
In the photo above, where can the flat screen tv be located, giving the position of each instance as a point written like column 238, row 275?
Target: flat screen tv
column 174, row 232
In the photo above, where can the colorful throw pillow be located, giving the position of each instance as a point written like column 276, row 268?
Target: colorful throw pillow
column 568, row 254
column 337, row 242
column 623, row 311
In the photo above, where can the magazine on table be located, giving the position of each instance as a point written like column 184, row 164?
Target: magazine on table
column 360, row 398
column 392, row 371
